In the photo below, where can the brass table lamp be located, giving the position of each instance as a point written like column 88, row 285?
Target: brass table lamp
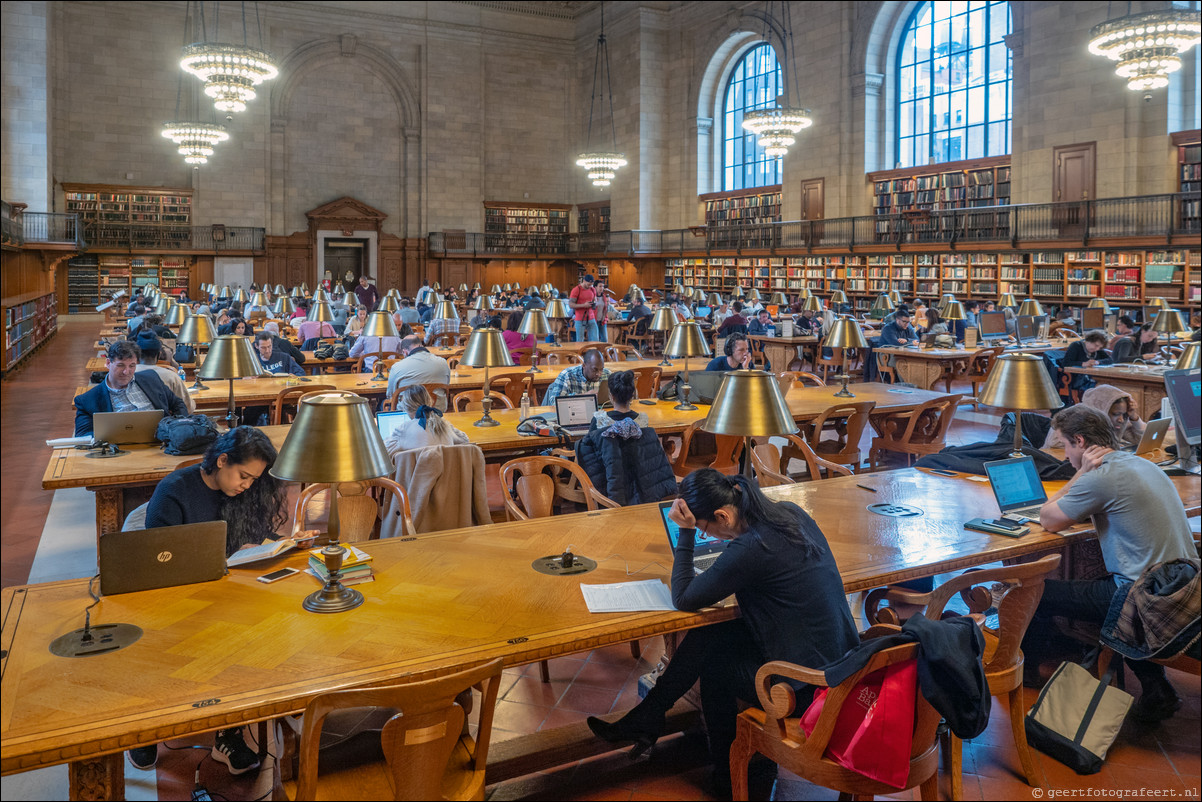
column 284, row 307
column 882, row 303
column 333, row 439
column 665, row 321
column 321, row 296
column 1007, row 301
column 803, row 293
column 177, row 315
column 1098, row 303
column 394, row 292
column 350, row 300
column 476, row 286
column 713, row 300
column 230, row 356
column 1168, row 322
column 508, row 287
column 483, row 304
column 1189, row 357
column 749, row 404
column 1019, row 382
column 737, row 293
column 754, row 295
column 305, row 288
column 845, row 334
column 463, row 288
column 486, row 349
column 895, row 297
column 812, row 304
column 297, row 293
column 558, row 310
column 443, row 310
column 779, row 299
column 686, row 340
column 320, row 311
column 379, row 324
column 240, row 295
column 197, row 330
column 534, row 323
column 952, row 310
column 279, row 290
column 224, row 292
column 388, row 305
column 496, row 289
column 838, row 298
column 1159, row 303
column 163, row 305
column 258, row 299
column 1030, row 307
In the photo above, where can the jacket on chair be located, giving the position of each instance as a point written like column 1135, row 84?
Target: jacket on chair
column 626, row 463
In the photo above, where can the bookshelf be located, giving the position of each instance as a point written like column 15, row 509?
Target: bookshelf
column 131, row 217
column 1189, row 178
column 524, row 227
column 731, row 216
column 29, row 320
column 93, row 279
column 917, row 192
column 592, row 218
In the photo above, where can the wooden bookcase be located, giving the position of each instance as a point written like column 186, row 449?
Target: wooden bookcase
column 592, row 218
column 917, row 191
column 525, row 227
column 29, row 320
column 1189, row 178
column 729, row 214
column 93, row 278
column 131, row 217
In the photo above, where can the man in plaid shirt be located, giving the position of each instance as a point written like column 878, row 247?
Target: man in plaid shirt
column 442, row 325
column 579, row 379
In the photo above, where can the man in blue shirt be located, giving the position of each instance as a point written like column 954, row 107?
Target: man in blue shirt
column 899, row 331
column 762, row 326
column 579, row 379
column 273, row 361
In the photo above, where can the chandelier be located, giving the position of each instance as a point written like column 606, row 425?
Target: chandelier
column 777, row 126
column 601, row 165
column 195, row 139
column 1147, row 46
column 230, row 71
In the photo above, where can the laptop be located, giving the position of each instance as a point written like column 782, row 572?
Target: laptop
column 145, row 559
column 126, row 428
column 1017, row 486
column 706, row 549
column 704, row 385
column 575, row 412
column 1153, row 437
column 387, row 421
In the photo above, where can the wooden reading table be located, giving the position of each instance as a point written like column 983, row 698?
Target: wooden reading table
column 1145, row 383
column 924, row 366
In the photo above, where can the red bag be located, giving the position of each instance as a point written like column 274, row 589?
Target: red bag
column 875, row 729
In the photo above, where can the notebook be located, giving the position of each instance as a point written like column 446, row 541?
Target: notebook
column 164, row 557
column 706, row 549
column 1017, row 486
column 575, row 412
column 125, row 428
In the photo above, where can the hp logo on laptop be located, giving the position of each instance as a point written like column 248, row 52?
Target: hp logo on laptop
column 164, row 556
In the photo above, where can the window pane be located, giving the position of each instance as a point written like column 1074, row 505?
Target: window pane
column 976, row 67
column 905, row 85
column 905, row 120
column 959, row 6
column 940, row 10
column 755, row 83
column 976, row 142
column 998, row 107
column 922, row 116
column 976, row 105
column 942, row 118
column 976, row 27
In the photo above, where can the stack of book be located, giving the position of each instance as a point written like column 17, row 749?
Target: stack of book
column 356, row 566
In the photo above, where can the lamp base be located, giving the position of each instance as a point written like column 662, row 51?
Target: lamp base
column 534, row 369
column 845, row 393
column 333, row 598
column 487, row 421
column 665, row 363
column 197, row 385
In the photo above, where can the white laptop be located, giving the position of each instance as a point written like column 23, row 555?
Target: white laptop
column 1153, row 437
column 387, row 421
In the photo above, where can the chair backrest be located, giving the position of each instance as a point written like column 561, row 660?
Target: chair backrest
column 532, row 484
column 360, row 363
column 567, row 359
column 983, row 361
column 884, row 368
column 523, row 356
column 726, row 456
column 473, row 400
column 801, row 377
column 417, row 742
column 850, row 420
column 815, row 465
column 360, row 506
column 926, row 425
column 765, row 459
column 512, row 385
column 289, row 397
column 646, row 381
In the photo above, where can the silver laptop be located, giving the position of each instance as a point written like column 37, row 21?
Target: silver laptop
column 1017, row 486
column 387, row 421
column 704, row 385
column 1153, row 437
column 706, row 549
column 145, row 559
column 575, row 412
column 126, row 428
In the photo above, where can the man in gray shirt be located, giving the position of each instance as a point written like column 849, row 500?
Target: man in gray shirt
column 1140, row 522
column 419, row 366
column 408, row 314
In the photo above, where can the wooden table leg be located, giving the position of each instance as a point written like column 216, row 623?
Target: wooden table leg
column 98, row 778
column 110, row 510
column 919, row 372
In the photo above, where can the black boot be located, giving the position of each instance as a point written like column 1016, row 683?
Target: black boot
column 641, row 726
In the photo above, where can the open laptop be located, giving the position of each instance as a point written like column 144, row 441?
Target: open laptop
column 1153, row 437
column 126, row 428
column 706, row 549
column 704, row 385
column 145, row 559
column 1017, row 486
column 387, row 421
column 574, row 413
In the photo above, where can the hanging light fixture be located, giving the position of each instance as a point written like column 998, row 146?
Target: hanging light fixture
column 777, row 126
column 195, row 139
column 1147, row 46
column 230, row 71
column 601, row 165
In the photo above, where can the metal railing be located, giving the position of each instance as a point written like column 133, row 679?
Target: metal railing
column 177, row 238
column 1157, row 217
column 58, row 228
column 10, row 224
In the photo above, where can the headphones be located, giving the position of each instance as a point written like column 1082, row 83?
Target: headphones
column 728, row 347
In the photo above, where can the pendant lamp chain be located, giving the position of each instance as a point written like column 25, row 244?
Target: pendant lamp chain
column 602, row 165
column 776, row 126
column 194, row 138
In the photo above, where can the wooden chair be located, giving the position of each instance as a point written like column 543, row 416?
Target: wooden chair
column 765, row 460
column 883, row 369
column 805, row 379
column 429, row 751
column 621, row 353
column 1022, row 588
column 525, row 356
column 775, row 730
column 532, row 486
column 512, row 385
column 646, row 381
column 643, row 340
column 360, row 508
column 920, row 431
column 432, row 389
column 360, row 363
column 817, row 468
column 567, row 359
column 444, row 340
column 726, row 458
column 847, row 421
column 473, row 401
column 828, row 364
column 288, row 399
column 785, row 380
column 1068, row 335
column 979, row 366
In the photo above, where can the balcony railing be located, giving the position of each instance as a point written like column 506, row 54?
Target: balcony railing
column 176, row 238
column 1158, row 217
column 52, row 228
column 10, row 224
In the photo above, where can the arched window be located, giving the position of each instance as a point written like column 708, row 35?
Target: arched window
column 754, row 84
column 953, row 83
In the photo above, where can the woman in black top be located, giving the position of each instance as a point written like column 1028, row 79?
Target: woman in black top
column 779, row 567
column 1140, row 345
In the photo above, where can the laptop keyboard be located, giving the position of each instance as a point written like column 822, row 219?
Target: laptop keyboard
column 702, row 563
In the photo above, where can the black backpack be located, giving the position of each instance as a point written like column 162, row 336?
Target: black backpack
column 187, row 435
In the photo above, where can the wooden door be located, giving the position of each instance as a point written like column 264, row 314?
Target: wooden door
column 1074, row 175
column 813, row 192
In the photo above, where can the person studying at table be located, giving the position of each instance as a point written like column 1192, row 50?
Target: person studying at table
column 780, row 569
column 579, row 379
column 1140, row 521
column 419, row 366
column 152, row 350
column 899, row 332
column 232, row 483
column 424, row 425
column 125, row 389
column 273, row 360
column 736, row 354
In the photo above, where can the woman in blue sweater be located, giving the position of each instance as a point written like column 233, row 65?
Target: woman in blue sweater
column 780, row 569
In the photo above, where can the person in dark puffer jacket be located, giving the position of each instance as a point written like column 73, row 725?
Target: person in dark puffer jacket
column 621, row 454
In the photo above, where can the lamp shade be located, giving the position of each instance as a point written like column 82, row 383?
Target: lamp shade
column 444, row 310
column 284, row 306
column 803, row 293
column 953, row 310
column 882, row 303
column 845, row 333
column 437, row 286
column 231, row 356
column 1031, row 307
column 320, row 310
column 196, row 330
column 380, row 324
column 754, row 295
column 1189, row 359
column 496, row 288
column 508, row 287
column 687, row 339
column 322, row 296
column 350, row 300
column 1098, row 303
column 224, row 292
column 1007, row 300
column 240, row 295
column 664, row 320
column 1159, row 303
column 463, row 288
column 698, row 295
column 163, row 305
column 484, row 304
column 714, row 300
column 558, row 309
column 476, row 286
column 749, row 404
column 333, row 439
column 486, row 349
column 176, row 316
column 813, row 304
column 279, row 289
column 388, row 304
column 297, row 292
column 258, row 299
column 393, row 293
column 838, row 297
column 737, row 293
column 534, row 322
column 1168, row 322
column 678, row 289
column 895, row 297
column 779, row 299
column 1019, row 381
column 947, row 296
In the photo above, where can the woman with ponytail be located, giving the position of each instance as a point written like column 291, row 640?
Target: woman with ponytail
column 424, row 426
column 780, row 569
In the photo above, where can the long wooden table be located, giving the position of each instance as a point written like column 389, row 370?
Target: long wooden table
column 924, row 366
column 121, row 483
column 235, row 651
column 1144, row 383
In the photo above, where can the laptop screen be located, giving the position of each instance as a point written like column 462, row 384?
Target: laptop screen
column 1026, row 328
column 387, row 421
column 700, row 539
column 992, row 324
column 1093, row 319
column 1015, row 482
column 575, row 410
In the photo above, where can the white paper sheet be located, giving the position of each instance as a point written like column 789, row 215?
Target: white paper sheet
column 628, row 597
column 70, row 442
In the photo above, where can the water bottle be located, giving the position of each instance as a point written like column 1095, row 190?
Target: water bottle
column 182, row 376
column 525, row 405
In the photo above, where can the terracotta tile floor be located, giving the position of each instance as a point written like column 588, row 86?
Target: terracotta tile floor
column 599, row 683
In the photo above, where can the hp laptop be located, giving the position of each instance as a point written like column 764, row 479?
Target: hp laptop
column 1153, row 437
column 706, row 549
column 1017, row 486
column 575, row 412
column 125, row 428
column 387, row 421
column 145, row 559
